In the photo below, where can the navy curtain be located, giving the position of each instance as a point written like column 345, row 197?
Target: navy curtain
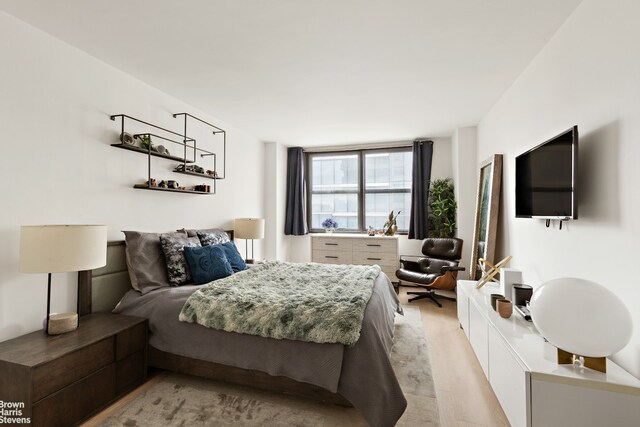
column 419, row 218
column 295, row 222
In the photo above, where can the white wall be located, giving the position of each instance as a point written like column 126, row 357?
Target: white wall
column 465, row 176
column 589, row 75
column 57, row 165
column 299, row 247
column 275, row 169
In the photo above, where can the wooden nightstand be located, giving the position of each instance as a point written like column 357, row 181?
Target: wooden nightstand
column 65, row 378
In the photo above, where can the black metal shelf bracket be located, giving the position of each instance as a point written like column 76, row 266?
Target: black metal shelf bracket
column 216, row 130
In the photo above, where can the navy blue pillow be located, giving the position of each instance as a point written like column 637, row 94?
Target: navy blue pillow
column 207, row 263
column 234, row 257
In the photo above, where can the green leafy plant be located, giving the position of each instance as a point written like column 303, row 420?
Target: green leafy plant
column 442, row 208
column 145, row 142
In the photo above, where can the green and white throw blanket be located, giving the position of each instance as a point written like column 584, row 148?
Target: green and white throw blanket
column 320, row 303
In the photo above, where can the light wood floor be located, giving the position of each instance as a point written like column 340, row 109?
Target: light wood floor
column 464, row 395
column 465, row 398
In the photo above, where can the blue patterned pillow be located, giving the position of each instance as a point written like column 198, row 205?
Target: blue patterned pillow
column 207, row 263
column 234, row 257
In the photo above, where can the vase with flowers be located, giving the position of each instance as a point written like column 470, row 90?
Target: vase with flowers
column 329, row 225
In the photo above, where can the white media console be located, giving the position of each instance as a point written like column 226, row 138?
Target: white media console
column 533, row 390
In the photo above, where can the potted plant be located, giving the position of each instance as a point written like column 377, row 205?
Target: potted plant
column 442, row 208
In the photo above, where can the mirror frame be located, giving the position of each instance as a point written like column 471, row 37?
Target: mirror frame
column 493, row 167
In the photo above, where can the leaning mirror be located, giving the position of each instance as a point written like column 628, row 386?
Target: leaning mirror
column 487, row 209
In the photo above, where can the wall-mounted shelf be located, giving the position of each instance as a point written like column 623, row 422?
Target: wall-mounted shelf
column 201, row 175
column 173, row 190
column 189, row 147
column 152, row 153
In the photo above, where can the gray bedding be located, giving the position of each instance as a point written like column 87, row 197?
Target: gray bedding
column 362, row 373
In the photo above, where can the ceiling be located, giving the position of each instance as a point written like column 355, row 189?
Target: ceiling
column 321, row 72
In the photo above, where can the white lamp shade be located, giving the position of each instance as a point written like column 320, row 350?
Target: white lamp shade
column 62, row 248
column 249, row 228
column 581, row 317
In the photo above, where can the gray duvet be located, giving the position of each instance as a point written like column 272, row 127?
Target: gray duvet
column 362, row 373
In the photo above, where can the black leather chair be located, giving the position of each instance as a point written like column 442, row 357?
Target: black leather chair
column 437, row 269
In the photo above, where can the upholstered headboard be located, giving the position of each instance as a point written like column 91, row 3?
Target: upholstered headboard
column 100, row 290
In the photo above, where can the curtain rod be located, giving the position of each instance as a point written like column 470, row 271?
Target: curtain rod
column 358, row 147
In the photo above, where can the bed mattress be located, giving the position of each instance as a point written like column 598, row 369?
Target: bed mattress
column 361, row 373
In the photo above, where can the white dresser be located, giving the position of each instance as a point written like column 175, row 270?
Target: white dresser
column 533, row 390
column 357, row 249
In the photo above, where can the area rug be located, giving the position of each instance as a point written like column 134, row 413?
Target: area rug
column 183, row 400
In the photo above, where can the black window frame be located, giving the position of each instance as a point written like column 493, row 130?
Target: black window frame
column 362, row 191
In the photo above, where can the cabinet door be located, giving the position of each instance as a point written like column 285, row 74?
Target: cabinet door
column 508, row 380
column 463, row 311
column 557, row 404
column 478, row 336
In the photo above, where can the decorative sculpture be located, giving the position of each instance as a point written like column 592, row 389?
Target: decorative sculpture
column 488, row 274
column 391, row 226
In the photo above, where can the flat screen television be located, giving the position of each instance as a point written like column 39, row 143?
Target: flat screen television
column 546, row 179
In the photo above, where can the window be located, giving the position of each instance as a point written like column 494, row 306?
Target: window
column 358, row 189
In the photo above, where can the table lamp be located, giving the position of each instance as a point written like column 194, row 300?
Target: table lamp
column 57, row 249
column 249, row 228
column 584, row 320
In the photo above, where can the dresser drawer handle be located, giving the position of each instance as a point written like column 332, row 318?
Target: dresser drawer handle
column 331, row 244
column 374, row 259
column 332, row 257
column 374, row 245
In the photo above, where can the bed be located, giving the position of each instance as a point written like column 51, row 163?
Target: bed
column 359, row 376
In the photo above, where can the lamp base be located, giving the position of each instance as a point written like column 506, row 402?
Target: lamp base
column 60, row 323
column 596, row 363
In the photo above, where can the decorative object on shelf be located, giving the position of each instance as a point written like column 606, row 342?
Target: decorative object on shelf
column 212, row 173
column 126, row 138
column 162, row 149
column 163, row 184
column 487, row 210
column 442, row 208
column 188, row 168
column 329, row 225
column 489, row 274
column 152, row 182
column 172, row 184
column 60, row 249
column 249, row 229
column 504, row 308
column 145, row 185
column 60, row 323
column 494, row 298
column 371, row 231
column 584, row 320
column 391, row 226
column 522, row 294
column 205, row 188
column 509, row 277
column 145, row 142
